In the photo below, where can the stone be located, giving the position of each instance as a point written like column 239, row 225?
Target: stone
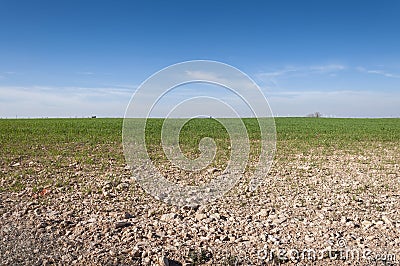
column 263, row 213
column 127, row 215
column 213, row 170
column 168, row 217
column 279, row 220
column 200, row 216
column 387, row 220
column 215, row 216
column 366, row 224
column 123, row 186
column 309, row 239
column 164, row 261
column 122, row 224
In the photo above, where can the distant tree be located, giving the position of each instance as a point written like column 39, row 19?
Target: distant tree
column 316, row 115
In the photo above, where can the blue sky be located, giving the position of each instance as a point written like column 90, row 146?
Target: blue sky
column 78, row 58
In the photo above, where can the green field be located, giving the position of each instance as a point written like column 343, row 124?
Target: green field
column 53, row 145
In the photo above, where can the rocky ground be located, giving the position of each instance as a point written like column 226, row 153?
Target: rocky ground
column 315, row 208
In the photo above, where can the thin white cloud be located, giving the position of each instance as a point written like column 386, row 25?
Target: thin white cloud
column 277, row 73
column 302, row 71
column 4, row 75
column 230, row 79
column 327, row 68
column 86, row 73
column 112, row 102
column 38, row 101
column 377, row 72
column 270, row 79
column 380, row 72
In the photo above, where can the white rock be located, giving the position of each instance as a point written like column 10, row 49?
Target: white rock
column 309, row 239
column 367, row 224
column 216, row 216
column 279, row 221
column 168, row 217
column 200, row 216
column 386, row 220
column 263, row 213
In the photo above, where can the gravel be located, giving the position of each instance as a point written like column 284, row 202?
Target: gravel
column 326, row 203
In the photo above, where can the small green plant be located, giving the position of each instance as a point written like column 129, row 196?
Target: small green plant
column 17, row 186
column 199, row 257
column 231, row 261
